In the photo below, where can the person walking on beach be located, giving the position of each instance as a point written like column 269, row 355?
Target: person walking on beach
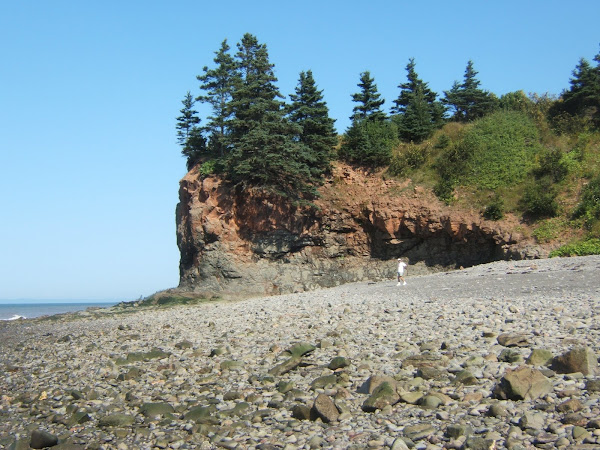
column 401, row 267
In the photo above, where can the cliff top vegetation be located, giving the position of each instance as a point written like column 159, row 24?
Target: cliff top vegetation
column 530, row 155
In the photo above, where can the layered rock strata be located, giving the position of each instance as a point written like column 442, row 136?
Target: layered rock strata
column 241, row 243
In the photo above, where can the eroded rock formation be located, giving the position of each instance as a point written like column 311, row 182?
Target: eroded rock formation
column 235, row 243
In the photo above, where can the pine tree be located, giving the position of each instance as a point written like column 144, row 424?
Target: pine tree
column 310, row 112
column 218, row 85
column 583, row 97
column 417, row 111
column 264, row 153
column 189, row 134
column 368, row 99
column 468, row 101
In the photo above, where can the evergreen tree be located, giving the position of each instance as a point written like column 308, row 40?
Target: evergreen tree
column 368, row 99
column 218, row 84
column 583, row 97
column 310, row 112
column 417, row 111
column 264, row 153
column 468, row 101
column 369, row 142
column 189, row 134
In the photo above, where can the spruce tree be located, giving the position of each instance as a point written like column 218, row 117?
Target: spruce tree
column 218, row 84
column 583, row 97
column 368, row 99
column 189, row 134
column 317, row 132
column 263, row 153
column 468, row 101
column 418, row 113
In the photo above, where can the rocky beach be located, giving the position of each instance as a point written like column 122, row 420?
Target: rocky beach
column 500, row 355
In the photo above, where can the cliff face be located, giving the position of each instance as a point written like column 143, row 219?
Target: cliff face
column 238, row 244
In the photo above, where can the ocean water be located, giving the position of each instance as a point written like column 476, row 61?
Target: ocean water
column 30, row 310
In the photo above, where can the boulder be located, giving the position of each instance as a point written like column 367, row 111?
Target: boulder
column 579, row 359
column 324, row 408
column 539, row 357
column 523, row 383
column 382, row 396
column 42, row 439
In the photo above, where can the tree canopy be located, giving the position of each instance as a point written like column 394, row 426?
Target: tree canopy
column 254, row 138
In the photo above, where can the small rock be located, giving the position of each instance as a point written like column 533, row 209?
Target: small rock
column 338, row 362
column 513, row 340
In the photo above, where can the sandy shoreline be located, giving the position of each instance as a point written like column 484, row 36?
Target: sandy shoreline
column 68, row 376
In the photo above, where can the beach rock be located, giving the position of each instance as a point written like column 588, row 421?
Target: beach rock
column 285, row 367
column 301, row 412
column 324, row 408
column 116, row 420
column 42, row 439
column 381, row 397
column 539, row 357
column 579, row 359
column 374, row 381
column 419, row 431
column 523, row 383
column 152, row 410
column 301, row 349
column 513, row 340
column 339, row 362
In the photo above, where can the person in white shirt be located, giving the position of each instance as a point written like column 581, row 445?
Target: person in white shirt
column 401, row 268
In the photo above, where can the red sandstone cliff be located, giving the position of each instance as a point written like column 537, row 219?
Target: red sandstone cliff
column 247, row 243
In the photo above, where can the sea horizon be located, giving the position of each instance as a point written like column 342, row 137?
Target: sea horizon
column 30, row 309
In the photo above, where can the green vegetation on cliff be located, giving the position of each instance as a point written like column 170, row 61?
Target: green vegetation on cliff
column 533, row 156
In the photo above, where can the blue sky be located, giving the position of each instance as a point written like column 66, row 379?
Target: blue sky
column 89, row 92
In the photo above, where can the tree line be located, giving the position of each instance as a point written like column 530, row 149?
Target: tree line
column 254, row 138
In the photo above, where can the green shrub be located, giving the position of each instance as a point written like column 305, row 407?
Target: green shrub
column 496, row 151
column 552, row 164
column 501, row 149
column 539, row 199
column 581, row 248
column 495, row 210
column 589, row 205
column 410, row 157
column 550, row 229
column 444, row 190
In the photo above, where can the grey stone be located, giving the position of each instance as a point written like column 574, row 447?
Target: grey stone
column 513, row 340
column 539, row 357
column 419, row 431
column 324, row 408
column 42, row 439
column 116, row 420
column 156, row 409
column 523, row 383
column 454, row 431
column 381, row 397
column 339, row 362
column 579, row 359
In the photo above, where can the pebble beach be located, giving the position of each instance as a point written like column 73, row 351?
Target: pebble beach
column 502, row 355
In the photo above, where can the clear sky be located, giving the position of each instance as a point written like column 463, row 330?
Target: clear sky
column 89, row 92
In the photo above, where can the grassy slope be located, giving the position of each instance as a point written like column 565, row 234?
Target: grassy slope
column 498, row 157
